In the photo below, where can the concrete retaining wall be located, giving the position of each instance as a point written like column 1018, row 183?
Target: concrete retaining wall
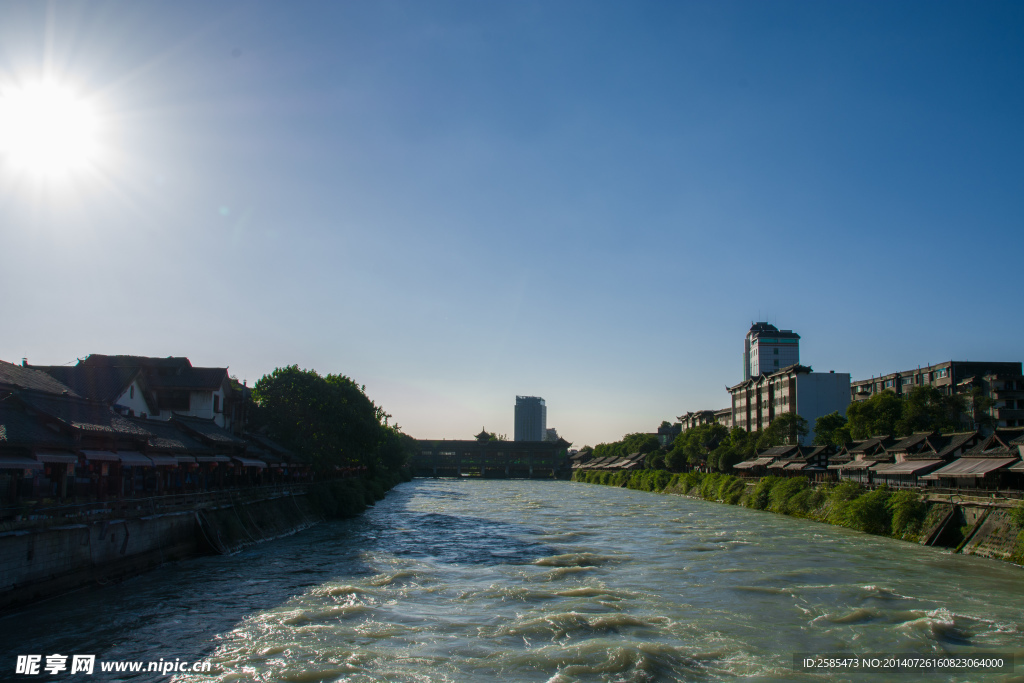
column 39, row 563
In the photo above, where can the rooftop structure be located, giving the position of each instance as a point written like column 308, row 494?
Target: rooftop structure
column 767, row 349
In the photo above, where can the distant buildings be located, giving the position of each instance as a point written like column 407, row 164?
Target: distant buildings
column 531, row 419
column 1001, row 382
column 768, row 349
column 491, row 459
column 774, row 383
column 795, row 389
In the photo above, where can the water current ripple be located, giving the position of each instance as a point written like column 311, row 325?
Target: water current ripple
column 455, row 580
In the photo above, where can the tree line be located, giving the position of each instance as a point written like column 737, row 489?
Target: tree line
column 717, row 448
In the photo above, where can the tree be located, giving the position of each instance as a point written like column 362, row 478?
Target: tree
column 787, row 428
column 926, row 409
column 491, row 436
column 878, row 415
column 328, row 419
column 831, row 430
column 978, row 407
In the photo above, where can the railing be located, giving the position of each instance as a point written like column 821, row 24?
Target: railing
column 20, row 516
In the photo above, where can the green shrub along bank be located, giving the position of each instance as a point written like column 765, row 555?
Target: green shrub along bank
column 882, row 511
column 344, row 498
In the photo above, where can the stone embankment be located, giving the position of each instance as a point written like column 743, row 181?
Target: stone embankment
column 76, row 546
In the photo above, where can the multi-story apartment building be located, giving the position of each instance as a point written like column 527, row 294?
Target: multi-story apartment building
column 1000, row 381
column 757, row 401
column 531, row 418
column 768, row 349
column 699, row 418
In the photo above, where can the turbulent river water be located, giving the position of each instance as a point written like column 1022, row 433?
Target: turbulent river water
column 479, row 580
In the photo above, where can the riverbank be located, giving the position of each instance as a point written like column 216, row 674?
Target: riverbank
column 989, row 529
column 96, row 545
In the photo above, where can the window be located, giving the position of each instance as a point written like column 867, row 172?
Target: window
column 216, row 403
column 776, row 351
column 776, row 361
column 131, row 392
column 889, row 384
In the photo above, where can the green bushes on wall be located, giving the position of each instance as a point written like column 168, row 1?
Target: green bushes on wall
column 900, row 514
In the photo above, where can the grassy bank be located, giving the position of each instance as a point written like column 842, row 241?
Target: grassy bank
column 882, row 511
column 343, row 498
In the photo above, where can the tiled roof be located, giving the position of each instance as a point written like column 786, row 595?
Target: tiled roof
column 161, row 373
column 1018, row 441
column 998, row 444
column 87, row 416
column 909, row 442
column 267, row 444
column 99, row 359
column 871, row 444
column 20, row 377
column 165, row 436
column 20, row 429
column 99, row 383
column 191, row 378
column 953, row 442
column 208, row 431
column 778, row 451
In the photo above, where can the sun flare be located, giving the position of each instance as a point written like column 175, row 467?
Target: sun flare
column 46, row 129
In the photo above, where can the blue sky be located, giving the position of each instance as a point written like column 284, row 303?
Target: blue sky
column 458, row 202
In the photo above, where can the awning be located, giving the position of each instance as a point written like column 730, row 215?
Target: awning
column 778, row 466
column 59, row 457
column 212, row 458
column 907, row 466
column 249, row 462
column 161, row 460
column 185, row 459
column 101, row 456
column 133, row 459
column 19, row 462
column 1019, row 467
column 856, row 464
column 970, row 467
column 756, row 462
column 795, row 465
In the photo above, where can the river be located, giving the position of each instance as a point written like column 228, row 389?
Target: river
column 480, row 580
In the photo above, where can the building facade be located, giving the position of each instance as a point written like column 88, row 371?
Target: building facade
column 531, row 419
column 768, row 349
column 794, row 389
column 1001, row 382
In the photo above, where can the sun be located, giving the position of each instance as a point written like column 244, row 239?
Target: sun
column 46, row 129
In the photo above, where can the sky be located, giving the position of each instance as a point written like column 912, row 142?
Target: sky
column 455, row 203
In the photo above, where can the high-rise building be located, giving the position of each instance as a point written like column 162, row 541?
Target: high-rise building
column 768, row 349
column 531, row 418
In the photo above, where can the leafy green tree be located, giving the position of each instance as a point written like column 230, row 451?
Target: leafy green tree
column 831, row 430
column 329, row 419
column 978, row 407
column 926, row 409
column 736, row 447
column 787, row 428
column 878, row 415
column 655, row 460
column 491, row 436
